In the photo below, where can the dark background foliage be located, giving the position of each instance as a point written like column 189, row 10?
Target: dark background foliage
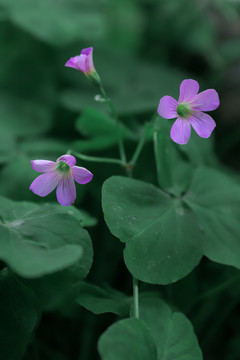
column 143, row 49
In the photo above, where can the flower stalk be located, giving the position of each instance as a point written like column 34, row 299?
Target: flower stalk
column 135, row 298
column 97, row 159
column 115, row 117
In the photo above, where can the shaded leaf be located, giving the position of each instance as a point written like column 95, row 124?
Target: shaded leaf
column 101, row 130
column 163, row 242
column 127, row 339
column 172, row 331
column 38, row 240
column 166, row 236
column 215, row 198
column 102, row 300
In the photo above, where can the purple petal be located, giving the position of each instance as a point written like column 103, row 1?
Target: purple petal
column 87, row 51
column 181, row 131
column 68, row 159
column 188, row 90
column 43, row 165
column 167, row 107
column 81, row 175
column 203, row 124
column 45, row 183
column 85, row 63
column 66, row 191
column 72, row 62
column 206, row 100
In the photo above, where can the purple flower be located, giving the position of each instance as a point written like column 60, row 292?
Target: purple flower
column 59, row 174
column 83, row 62
column 188, row 110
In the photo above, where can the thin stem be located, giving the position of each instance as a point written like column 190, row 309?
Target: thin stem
column 114, row 115
column 134, row 280
column 135, row 298
column 156, row 153
column 96, row 159
column 139, row 146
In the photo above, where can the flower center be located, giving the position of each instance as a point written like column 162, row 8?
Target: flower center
column 62, row 167
column 184, row 111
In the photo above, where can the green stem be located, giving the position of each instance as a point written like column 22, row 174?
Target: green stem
column 134, row 280
column 96, row 159
column 114, row 115
column 135, row 298
column 157, row 155
column 139, row 146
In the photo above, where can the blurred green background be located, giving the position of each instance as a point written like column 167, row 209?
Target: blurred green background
column 142, row 51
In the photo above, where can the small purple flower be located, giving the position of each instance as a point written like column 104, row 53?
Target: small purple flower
column 59, row 174
column 83, row 62
column 188, row 110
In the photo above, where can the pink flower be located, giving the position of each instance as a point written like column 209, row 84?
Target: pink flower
column 83, row 62
column 59, row 174
column 188, row 110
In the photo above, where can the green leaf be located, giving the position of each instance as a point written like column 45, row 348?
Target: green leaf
column 54, row 290
column 39, row 240
column 18, row 318
column 85, row 219
column 163, row 242
column 102, row 300
column 101, row 130
column 166, row 236
column 58, row 25
column 127, row 339
column 172, row 331
column 215, row 199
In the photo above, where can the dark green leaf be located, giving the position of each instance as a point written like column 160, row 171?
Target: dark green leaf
column 85, row 219
column 127, row 339
column 172, row 331
column 38, row 240
column 166, row 236
column 163, row 242
column 101, row 130
column 101, row 300
column 215, row 199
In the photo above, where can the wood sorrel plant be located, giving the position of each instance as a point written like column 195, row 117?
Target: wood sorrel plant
column 166, row 229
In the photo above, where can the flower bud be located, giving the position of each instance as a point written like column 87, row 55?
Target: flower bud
column 84, row 63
